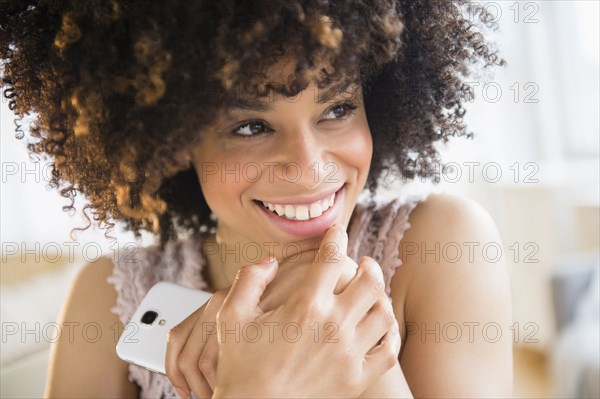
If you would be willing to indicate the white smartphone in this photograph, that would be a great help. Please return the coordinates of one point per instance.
(144, 339)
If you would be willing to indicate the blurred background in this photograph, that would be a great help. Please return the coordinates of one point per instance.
(533, 164)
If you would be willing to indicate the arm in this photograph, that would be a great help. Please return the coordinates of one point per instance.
(432, 296)
(82, 368)
(460, 294)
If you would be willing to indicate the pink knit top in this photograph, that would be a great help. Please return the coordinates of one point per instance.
(376, 228)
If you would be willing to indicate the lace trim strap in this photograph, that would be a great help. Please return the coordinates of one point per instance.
(377, 229)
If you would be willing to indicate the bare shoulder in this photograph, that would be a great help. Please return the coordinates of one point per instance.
(443, 209)
(93, 274)
(447, 229)
(452, 297)
(83, 362)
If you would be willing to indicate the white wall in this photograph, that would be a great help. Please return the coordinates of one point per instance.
(31, 212)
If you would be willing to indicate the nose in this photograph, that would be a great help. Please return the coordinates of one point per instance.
(301, 158)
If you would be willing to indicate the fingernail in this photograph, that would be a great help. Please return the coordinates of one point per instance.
(341, 229)
(268, 259)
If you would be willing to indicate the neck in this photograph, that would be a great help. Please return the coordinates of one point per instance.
(221, 269)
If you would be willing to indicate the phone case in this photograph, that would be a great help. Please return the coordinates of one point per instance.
(166, 304)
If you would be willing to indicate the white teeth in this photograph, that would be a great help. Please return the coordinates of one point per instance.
(315, 210)
(301, 212)
(290, 211)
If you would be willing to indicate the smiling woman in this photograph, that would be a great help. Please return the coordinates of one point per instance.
(241, 131)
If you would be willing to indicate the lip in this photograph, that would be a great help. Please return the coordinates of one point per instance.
(304, 200)
(310, 227)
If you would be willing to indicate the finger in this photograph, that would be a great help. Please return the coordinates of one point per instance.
(363, 291)
(376, 323)
(244, 295)
(384, 356)
(205, 329)
(335, 237)
(300, 249)
(176, 339)
(328, 265)
(208, 361)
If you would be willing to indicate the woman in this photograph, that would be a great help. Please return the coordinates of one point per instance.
(227, 122)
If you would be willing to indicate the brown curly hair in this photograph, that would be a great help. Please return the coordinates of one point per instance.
(121, 86)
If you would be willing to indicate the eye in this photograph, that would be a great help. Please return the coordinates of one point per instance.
(340, 111)
(256, 128)
(250, 129)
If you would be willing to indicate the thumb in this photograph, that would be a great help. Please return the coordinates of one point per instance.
(247, 288)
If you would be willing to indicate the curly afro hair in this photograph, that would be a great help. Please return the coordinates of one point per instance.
(119, 87)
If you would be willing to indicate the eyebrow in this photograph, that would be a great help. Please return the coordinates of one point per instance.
(264, 106)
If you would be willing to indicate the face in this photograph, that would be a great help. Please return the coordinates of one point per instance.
(277, 178)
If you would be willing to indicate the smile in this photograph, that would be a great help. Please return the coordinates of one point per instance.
(301, 212)
(306, 219)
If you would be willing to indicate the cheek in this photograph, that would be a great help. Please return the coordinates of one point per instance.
(220, 181)
(358, 150)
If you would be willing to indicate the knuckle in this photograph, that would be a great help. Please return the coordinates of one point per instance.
(390, 356)
(249, 270)
(390, 359)
(387, 313)
(314, 310)
(169, 371)
(372, 275)
(206, 366)
(388, 319)
(185, 364)
(175, 335)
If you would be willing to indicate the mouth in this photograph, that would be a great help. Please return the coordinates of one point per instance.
(301, 212)
(304, 219)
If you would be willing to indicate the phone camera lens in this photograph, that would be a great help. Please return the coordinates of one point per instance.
(149, 317)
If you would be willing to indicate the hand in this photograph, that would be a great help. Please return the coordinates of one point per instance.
(255, 361)
(293, 269)
(191, 358)
(192, 350)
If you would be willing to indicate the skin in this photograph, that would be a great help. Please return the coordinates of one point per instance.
(467, 291)
(425, 290)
